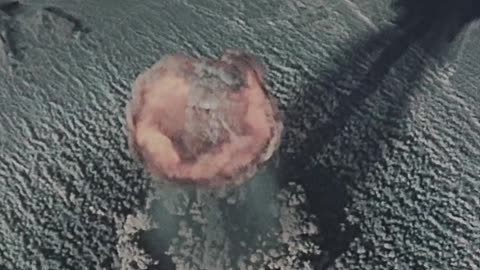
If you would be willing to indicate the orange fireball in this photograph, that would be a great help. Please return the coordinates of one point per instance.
(203, 120)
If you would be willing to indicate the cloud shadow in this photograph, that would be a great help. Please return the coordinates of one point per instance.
(340, 95)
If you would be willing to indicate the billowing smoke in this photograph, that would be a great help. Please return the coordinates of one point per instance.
(203, 120)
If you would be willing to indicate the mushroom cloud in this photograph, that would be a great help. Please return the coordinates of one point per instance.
(204, 121)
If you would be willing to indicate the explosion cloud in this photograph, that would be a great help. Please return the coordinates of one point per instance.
(203, 120)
